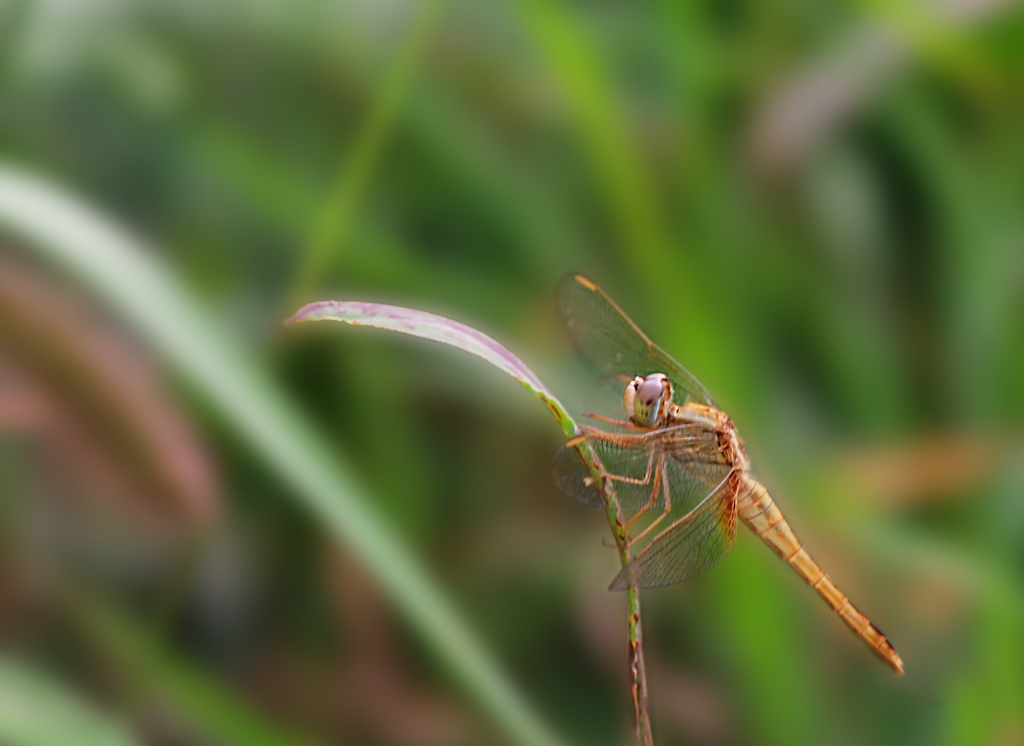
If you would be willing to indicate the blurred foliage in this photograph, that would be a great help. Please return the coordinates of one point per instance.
(816, 207)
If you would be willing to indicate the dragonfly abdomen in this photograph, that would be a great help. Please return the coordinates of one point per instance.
(759, 512)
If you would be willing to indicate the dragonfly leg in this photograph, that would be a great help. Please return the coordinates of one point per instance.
(660, 518)
(620, 423)
(634, 480)
(659, 484)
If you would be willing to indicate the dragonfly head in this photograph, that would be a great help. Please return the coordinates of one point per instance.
(645, 399)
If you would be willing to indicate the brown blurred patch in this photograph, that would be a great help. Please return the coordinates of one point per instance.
(377, 686)
(367, 689)
(96, 407)
(692, 706)
(1010, 731)
(940, 467)
(25, 598)
(937, 607)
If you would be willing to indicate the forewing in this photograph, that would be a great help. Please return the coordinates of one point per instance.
(630, 462)
(573, 477)
(688, 458)
(689, 546)
(614, 344)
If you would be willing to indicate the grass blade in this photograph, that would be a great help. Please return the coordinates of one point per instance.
(122, 270)
(340, 208)
(577, 66)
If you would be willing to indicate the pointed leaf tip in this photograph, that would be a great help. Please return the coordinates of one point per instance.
(438, 329)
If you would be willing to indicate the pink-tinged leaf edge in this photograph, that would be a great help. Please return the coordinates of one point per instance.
(438, 329)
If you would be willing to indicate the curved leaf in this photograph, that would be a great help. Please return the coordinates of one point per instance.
(438, 329)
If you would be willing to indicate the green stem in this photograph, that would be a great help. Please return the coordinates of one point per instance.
(637, 668)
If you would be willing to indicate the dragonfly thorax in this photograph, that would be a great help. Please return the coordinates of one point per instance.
(647, 399)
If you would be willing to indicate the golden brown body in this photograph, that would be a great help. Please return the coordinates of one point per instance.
(761, 515)
(758, 511)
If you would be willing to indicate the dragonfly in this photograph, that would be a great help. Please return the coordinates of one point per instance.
(676, 466)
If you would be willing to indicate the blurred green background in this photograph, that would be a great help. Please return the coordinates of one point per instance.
(816, 207)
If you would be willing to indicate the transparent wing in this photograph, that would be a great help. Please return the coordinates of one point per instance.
(683, 463)
(614, 344)
(689, 546)
(574, 478)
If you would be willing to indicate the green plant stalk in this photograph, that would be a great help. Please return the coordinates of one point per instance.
(121, 269)
(637, 668)
(354, 173)
(577, 67)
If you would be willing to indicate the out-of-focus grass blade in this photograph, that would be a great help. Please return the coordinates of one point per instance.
(438, 329)
(210, 707)
(578, 68)
(336, 218)
(121, 269)
(35, 710)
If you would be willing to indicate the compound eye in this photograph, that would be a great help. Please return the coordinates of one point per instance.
(650, 392)
(647, 400)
